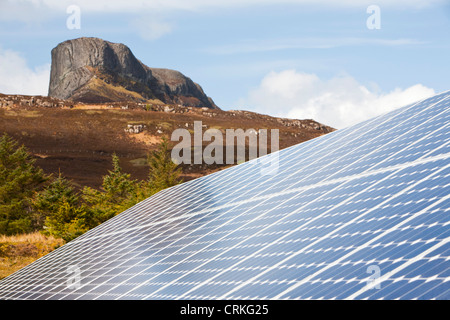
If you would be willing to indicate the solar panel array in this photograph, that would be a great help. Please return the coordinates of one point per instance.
(360, 213)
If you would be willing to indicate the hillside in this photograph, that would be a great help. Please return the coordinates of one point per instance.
(78, 139)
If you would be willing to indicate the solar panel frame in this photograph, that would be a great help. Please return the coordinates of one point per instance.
(374, 194)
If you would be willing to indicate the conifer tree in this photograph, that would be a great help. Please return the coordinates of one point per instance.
(67, 222)
(19, 180)
(164, 173)
(117, 185)
(59, 191)
(115, 195)
(62, 213)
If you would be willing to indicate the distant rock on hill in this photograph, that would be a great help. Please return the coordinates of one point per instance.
(93, 70)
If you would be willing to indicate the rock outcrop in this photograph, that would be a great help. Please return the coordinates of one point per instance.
(92, 70)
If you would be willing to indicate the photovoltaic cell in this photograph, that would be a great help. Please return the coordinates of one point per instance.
(359, 213)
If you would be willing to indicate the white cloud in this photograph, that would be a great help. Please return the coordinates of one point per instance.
(26, 11)
(337, 102)
(262, 45)
(17, 78)
(151, 28)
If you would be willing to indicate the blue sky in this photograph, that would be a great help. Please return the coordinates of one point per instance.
(289, 58)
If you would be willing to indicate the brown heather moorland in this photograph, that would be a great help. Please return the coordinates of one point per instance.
(78, 140)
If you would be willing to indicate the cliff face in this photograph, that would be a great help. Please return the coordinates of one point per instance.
(96, 71)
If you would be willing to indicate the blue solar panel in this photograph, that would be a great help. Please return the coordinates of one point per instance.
(360, 213)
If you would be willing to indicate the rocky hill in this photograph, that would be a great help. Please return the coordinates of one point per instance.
(93, 70)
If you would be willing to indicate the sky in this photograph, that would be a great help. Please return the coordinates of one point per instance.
(337, 62)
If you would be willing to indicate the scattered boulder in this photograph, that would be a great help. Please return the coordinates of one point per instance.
(135, 128)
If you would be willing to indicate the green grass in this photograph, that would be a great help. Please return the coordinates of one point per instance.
(23, 113)
(94, 111)
(165, 125)
(139, 162)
